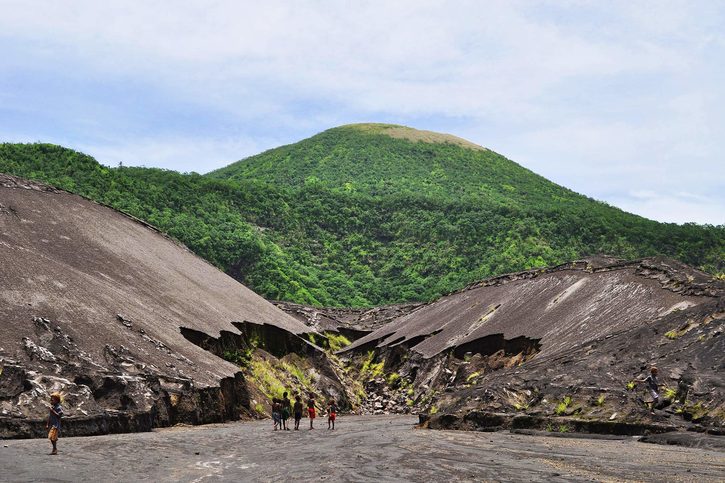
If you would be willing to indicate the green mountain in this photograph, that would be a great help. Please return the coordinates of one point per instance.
(369, 214)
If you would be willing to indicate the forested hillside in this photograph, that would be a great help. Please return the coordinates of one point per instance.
(359, 216)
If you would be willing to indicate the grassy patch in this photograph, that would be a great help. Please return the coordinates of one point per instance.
(433, 410)
(336, 342)
(669, 393)
(563, 406)
(265, 375)
(600, 400)
(631, 385)
(672, 334)
(393, 379)
(240, 357)
(521, 407)
(563, 428)
(299, 373)
(369, 369)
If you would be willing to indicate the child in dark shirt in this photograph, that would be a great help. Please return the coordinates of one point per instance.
(55, 412)
(286, 409)
(276, 413)
(298, 411)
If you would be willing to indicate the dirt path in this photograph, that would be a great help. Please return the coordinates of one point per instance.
(365, 448)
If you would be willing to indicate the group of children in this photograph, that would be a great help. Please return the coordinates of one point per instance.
(283, 408)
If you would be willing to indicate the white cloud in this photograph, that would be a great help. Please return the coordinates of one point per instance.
(601, 97)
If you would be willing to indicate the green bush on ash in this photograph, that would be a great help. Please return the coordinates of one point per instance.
(299, 373)
(672, 334)
(336, 342)
(563, 406)
(669, 393)
(473, 377)
(393, 380)
(266, 376)
(370, 370)
(240, 357)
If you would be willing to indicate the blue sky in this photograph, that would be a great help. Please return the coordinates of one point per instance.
(621, 101)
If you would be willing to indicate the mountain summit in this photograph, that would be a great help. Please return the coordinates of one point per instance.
(390, 159)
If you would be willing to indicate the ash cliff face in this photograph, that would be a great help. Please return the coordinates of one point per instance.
(559, 348)
(92, 304)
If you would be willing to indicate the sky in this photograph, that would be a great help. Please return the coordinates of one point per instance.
(621, 101)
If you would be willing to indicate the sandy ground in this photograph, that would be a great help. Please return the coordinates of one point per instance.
(362, 448)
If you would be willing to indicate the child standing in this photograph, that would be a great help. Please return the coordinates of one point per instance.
(331, 413)
(55, 412)
(653, 386)
(311, 410)
(298, 411)
(276, 416)
(286, 409)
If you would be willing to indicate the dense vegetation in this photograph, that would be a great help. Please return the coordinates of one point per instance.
(354, 217)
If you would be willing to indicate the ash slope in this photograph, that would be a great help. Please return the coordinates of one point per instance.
(560, 348)
(557, 308)
(92, 303)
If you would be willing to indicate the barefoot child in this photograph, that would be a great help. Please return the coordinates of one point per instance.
(311, 409)
(653, 386)
(298, 411)
(331, 413)
(276, 416)
(286, 409)
(55, 412)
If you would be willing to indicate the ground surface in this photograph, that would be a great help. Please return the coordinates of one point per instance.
(365, 448)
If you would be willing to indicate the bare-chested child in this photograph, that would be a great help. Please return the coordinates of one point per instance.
(311, 410)
(331, 414)
(55, 412)
(297, 409)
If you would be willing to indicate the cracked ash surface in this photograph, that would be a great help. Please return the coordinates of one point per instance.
(363, 448)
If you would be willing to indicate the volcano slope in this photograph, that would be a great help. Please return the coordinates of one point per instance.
(557, 349)
(126, 323)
